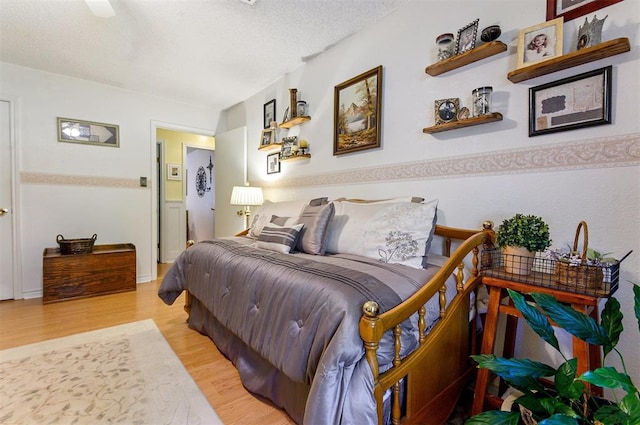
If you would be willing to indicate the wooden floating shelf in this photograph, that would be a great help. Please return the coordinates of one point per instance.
(296, 157)
(483, 119)
(579, 57)
(473, 55)
(271, 147)
(295, 121)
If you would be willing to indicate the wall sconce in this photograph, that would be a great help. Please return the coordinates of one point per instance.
(246, 196)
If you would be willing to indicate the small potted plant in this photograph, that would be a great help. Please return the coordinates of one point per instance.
(520, 237)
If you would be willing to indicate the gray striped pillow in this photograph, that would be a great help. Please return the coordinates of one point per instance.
(279, 238)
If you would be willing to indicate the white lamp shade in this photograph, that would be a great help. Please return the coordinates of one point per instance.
(246, 195)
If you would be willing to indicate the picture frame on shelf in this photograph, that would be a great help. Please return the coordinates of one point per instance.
(580, 101)
(88, 132)
(267, 137)
(285, 118)
(289, 146)
(540, 42)
(273, 163)
(174, 171)
(575, 8)
(357, 113)
(446, 110)
(467, 37)
(268, 113)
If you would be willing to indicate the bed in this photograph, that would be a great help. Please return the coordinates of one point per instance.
(340, 312)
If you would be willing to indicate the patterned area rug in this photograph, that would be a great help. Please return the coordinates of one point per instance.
(126, 374)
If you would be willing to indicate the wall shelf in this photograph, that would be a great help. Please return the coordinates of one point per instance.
(296, 157)
(483, 119)
(271, 147)
(579, 57)
(483, 51)
(295, 121)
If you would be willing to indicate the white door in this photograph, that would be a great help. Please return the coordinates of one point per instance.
(230, 170)
(6, 227)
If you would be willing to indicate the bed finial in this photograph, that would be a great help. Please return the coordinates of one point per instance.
(487, 225)
(370, 308)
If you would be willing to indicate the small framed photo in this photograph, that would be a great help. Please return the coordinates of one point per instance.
(446, 110)
(269, 113)
(289, 146)
(285, 117)
(580, 101)
(88, 132)
(467, 37)
(273, 163)
(571, 9)
(174, 171)
(540, 42)
(267, 137)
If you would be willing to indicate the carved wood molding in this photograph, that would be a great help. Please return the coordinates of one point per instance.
(605, 152)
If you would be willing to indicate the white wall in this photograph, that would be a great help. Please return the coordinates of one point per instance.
(484, 172)
(79, 190)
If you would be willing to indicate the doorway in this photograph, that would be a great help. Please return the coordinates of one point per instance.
(200, 193)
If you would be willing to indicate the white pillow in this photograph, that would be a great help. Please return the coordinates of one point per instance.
(262, 216)
(390, 232)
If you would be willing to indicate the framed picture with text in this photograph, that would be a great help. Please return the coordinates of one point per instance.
(269, 113)
(273, 163)
(580, 101)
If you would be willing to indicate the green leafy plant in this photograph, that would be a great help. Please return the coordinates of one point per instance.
(564, 401)
(528, 231)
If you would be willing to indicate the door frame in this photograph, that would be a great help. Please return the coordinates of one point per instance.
(16, 259)
(159, 186)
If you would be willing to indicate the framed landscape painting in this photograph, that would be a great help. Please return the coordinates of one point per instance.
(357, 113)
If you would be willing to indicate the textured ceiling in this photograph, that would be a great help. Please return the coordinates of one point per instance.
(208, 52)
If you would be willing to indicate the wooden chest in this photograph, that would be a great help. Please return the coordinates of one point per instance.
(107, 270)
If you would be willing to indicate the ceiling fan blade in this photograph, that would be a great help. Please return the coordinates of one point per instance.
(101, 8)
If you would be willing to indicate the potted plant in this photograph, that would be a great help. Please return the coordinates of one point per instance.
(564, 400)
(520, 237)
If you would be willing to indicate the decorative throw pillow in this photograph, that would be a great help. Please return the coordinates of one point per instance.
(262, 216)
(279, 238)
(316, 222)
(280, 221)
(391, 232)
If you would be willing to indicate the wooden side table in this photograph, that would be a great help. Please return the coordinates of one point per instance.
(588, 356)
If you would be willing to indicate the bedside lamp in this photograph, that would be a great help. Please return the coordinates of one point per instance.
(246, 196)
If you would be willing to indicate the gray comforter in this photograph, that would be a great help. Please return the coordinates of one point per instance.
(300, 314)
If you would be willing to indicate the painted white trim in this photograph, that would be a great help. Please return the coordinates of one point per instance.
(14, 137)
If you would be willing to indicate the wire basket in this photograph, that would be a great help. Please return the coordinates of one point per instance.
(543, 272)
(76, 246)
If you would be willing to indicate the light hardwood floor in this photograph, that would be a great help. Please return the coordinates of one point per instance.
(28, 321)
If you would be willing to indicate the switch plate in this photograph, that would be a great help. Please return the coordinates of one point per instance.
(143, 182)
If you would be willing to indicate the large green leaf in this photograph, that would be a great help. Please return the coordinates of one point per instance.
(612, 323)
(636, 297)
(558, 420)
(507, 368)
(494, 417)
(612, 415)
(566, 385)
(630, 404)
(609, 377)
(538, 321)
(574, 322)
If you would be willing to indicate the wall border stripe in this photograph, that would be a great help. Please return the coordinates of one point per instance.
(69, 180)
(605, 152)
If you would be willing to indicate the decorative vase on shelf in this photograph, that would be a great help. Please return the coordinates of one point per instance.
(444, 42)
